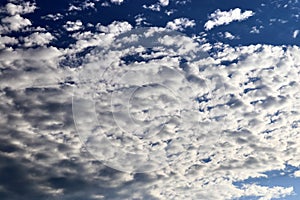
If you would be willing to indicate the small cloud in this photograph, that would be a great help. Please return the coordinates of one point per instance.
(228, 35)
(38, 39)
(73, 26)
(24, 8)
(157, 6)
(164, 2)
(139, 19)
(180, 24)
(73, 7)
(14, 23)
(219, 17)
(115, 27)
(295, 34)
(6, 40)
(53, 17)
(117, 1)
(254, 30)
(153, 7)
(297, 174)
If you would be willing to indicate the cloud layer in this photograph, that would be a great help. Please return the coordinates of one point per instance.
(243, 114)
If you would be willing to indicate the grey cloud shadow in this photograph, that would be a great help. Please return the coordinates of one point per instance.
(34, 157)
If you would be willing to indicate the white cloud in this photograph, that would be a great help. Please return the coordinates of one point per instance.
(153, 7)
(38, 39)
(164, 2)
(24, 8)
(115, 27)
(14, 23)
(255, 30)
(84, 5)
(266, 193)
(180, 24)
(139, 19)
(117, 1)
(295, 33)
(87, 5)
(157, 6)
(297, 174)
(219, 17)
(41, 53)
(170, 12)
(53, 17)
(228, 35)
(6, 40)
(73, 7)
(73, 26)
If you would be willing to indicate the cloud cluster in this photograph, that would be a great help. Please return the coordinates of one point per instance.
(116, 1)
(180, 24)
(38, 39)
(73, 26)
(242, 106)
(157, 6)
(23, 8)
(14, 21)
(219, 17)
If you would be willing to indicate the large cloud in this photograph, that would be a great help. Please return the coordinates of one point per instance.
(251, 115)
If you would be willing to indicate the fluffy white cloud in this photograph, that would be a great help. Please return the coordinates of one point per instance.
(116, 1)
(180, 24)
(229, 35)
(255, 30)
(73, 26)
(266, 193)
(24, 8)
(297, 173)
(14, 23)
(157, 6)
(115, 27)
(219, 17)
(164, 2)
(38, 39)
(5, 40)
(153, 7)
(84, 5)
(54, 17)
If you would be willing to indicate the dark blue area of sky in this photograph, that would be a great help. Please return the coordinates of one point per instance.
(275, 178)
(277, 34)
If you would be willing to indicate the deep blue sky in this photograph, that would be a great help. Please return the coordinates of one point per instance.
(277, 33)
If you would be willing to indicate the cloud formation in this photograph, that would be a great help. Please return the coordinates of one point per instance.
(219, 17)
(73, 26)
(180, 24)
(248, 112)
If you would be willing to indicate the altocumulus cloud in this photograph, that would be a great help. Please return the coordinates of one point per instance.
(255, 99)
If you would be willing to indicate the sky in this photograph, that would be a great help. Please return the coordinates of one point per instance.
(160, 99)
